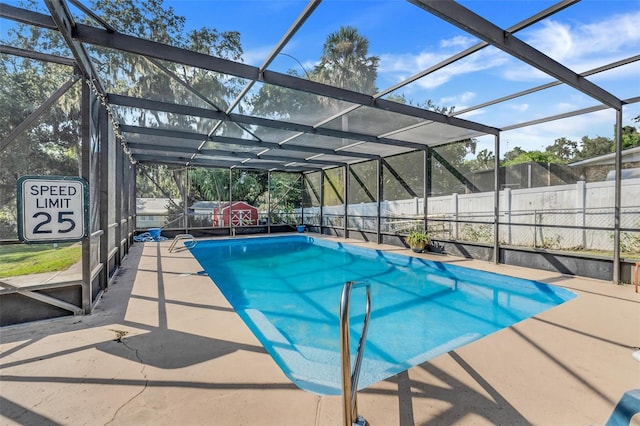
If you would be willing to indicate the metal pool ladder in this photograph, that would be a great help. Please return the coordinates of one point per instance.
(190, 243)
(349, 378)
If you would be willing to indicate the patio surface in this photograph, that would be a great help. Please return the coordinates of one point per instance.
(164, 347)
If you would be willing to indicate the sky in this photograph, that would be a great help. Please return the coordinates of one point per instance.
(408, 40)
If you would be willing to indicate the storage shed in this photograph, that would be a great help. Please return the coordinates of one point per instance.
(237, 213)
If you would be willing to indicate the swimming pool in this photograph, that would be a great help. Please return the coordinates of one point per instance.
(287, 289)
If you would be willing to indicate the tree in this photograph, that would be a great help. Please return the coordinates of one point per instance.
(138, 76)
(593, 147)
(514, 153)
(485, 160)
(563, 149)
(157, 181)
(285, 193)
(448, 167)
(535, 157)
(284, 103)
(344, 62)
(630, 137)
(52, 145)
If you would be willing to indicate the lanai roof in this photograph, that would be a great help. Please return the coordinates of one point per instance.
(357, 127)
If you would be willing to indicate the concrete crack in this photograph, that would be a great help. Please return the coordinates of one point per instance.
(146, 382)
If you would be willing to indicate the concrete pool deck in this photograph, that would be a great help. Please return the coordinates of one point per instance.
(164, 347)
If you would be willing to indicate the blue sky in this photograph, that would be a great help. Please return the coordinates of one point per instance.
(407, 40)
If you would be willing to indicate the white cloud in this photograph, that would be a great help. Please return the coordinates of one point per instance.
(519, 107)
(554, 39)
(542, 135)
(460, 100)
(407, 63)
(580, 46)
(403, 66)
(256, 55)
(491, 73)
(459, 42)
(474, 113)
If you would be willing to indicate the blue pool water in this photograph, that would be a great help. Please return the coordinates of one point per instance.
(287, 290)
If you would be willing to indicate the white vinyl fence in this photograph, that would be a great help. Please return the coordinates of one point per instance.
(549, 217)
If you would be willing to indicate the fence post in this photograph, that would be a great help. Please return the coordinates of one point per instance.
(581, 201)
(507, 209)
(454, 201)
(535, 228)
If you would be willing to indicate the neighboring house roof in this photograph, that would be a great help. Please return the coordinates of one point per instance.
(151, 206)
(203, 205)
(628, 156)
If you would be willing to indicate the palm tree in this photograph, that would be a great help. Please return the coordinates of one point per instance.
(344, 62)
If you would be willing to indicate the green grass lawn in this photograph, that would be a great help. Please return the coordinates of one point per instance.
(23, 259)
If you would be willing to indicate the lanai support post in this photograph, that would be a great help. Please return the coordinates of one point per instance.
(347, 170)
(425, 170)
(617, 199)
(119, 172)
(133, 202)
(496, 202)
(85, 134)
(269, 202)
(302, 191)
(321, 200)
(185, 201)
(104, 188)
(232, 232)
(379, 203)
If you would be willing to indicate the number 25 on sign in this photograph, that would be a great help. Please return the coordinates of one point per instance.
(52, 209)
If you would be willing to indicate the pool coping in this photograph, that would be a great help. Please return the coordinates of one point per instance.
(163, 346)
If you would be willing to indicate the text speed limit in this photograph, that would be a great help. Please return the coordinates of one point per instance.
(52, 208)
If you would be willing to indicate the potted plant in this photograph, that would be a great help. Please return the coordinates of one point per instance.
(417, 240)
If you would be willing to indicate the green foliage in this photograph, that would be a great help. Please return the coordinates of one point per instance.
(280, 102)
(630, 137)
(417, 238)
(333, 187)
(20, 259)
(593, 147)
(403, 176)
(156, 181)
(286, 191)
(209, 184)
(550, 242)
(630, 244)
(477, 233)
(534, 156)
(485, 160)
(345, 62)
(513, 154)
(447, 166)
(51, 146)
(248, 186)
(563, 149)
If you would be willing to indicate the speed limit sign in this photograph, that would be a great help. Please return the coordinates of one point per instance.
(52, 209)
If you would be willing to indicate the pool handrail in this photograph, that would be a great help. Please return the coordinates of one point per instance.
(190, 243)
(349, 378)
